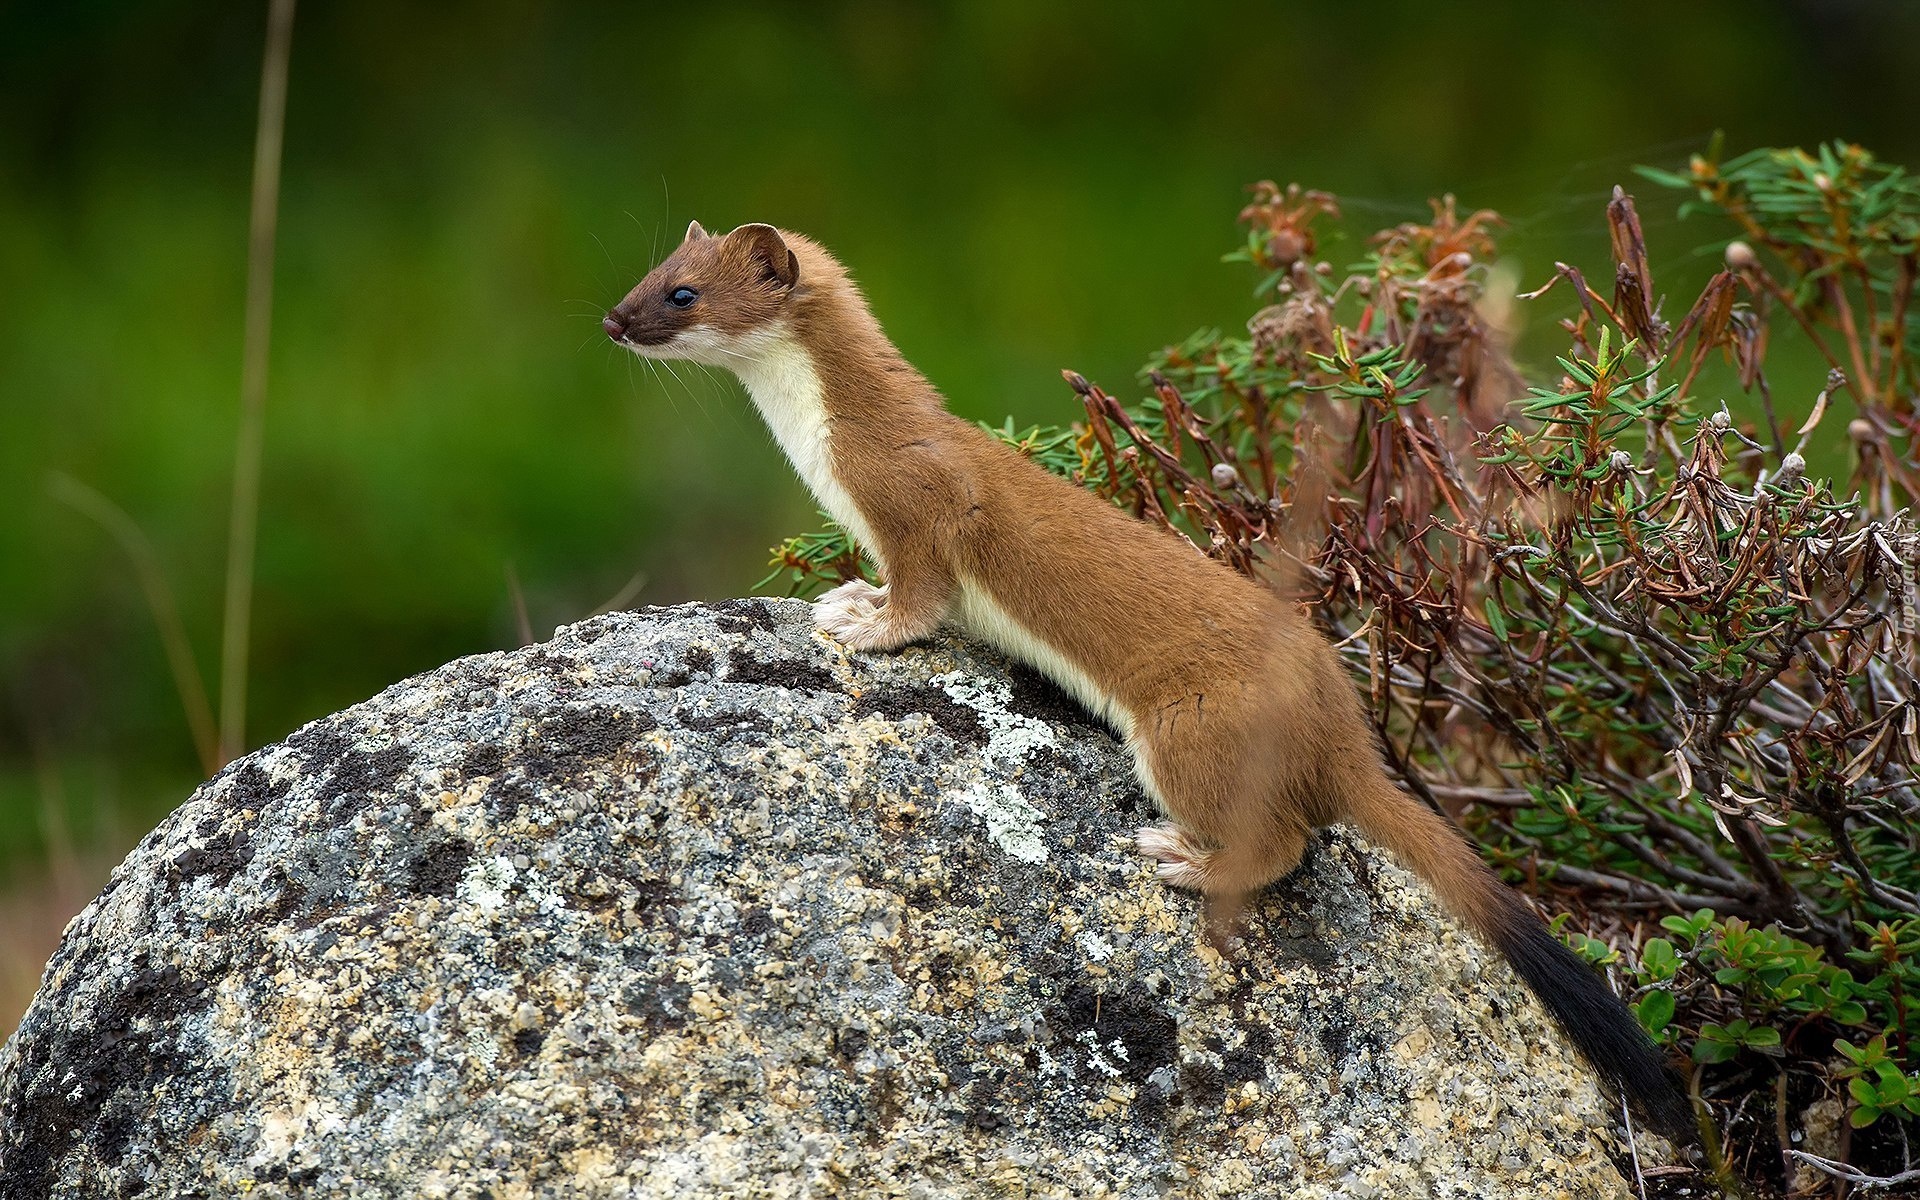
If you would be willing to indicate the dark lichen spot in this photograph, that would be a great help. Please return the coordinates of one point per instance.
(545, 660)
(1134, 1018)
(321, 744)
(1308, 949)
(957, 721)
(651, 899)
(527, 1042)
(1034, 695)
(740, 615)
(219, 855)
(849, 1042)
(942, 969)
(595, 733)
(984, 1104)
(1044, 761)
(1248, 1061)
(437, 869)
(354, 776)
(652, 893)
(884, 1104)
(247, 787)
(1150, 1107)
(788, 673)
(289, 899)
(115, 1129)
(755, 922)
(1202, 1085)
(91, 1083)
(1131, 800)
(504, 797)
(482, 759)
(1335, 1037)
(697, 663)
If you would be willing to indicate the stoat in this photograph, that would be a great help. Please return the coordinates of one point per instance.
(1243, 725)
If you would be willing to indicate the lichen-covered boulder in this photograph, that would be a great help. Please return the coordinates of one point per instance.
(689, 902)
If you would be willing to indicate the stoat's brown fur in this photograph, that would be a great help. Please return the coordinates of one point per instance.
(1243, 725)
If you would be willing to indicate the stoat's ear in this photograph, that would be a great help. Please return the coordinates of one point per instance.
(694, 232)
(766, 249)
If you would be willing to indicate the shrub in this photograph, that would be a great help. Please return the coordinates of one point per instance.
(1617, 629)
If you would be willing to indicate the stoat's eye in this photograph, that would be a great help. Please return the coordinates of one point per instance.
(682, 297)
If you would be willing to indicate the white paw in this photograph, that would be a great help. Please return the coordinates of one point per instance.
(853, 589)
(1180, 864)
(855, 614)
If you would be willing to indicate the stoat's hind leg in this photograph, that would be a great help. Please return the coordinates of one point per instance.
(1182, 864)
(1232, 831)
(1225, 876)
(1246, 866)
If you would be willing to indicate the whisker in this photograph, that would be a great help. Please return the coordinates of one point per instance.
(712, 381)
(617, 270)
(653, 236)
(653, 365)
(733, 353)
(698, 399)
(668, 364)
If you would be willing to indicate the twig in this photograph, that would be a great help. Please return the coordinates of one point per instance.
(1852, 1174)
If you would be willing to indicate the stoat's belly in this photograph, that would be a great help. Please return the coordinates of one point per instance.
(976, 611)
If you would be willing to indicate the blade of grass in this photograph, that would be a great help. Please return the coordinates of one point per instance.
(521, 624)
(160, 603)
(245, 518)
(619, 600)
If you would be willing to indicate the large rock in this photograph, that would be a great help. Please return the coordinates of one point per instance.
(689, 902)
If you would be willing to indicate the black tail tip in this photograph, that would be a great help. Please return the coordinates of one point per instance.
(1601, 1027)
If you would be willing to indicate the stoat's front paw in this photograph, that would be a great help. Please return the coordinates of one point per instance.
(855, 613)
(853, 590)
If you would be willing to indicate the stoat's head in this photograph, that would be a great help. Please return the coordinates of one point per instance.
(712, 300)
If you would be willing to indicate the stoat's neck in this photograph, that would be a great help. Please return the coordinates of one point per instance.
(784, 381)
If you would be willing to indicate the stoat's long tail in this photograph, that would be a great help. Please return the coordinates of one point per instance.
(1596, 1020)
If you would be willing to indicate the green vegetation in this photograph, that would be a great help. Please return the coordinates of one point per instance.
(1632, 640)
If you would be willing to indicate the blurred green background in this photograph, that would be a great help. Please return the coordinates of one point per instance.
(1020, 186)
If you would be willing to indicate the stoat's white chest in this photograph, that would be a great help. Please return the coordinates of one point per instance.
(780, 376)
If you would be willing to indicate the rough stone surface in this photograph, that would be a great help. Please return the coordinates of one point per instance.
(689, 902)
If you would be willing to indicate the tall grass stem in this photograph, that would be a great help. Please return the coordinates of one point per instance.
(160, 602)
(237, 617)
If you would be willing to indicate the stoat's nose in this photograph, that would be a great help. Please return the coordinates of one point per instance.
(615, 325)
